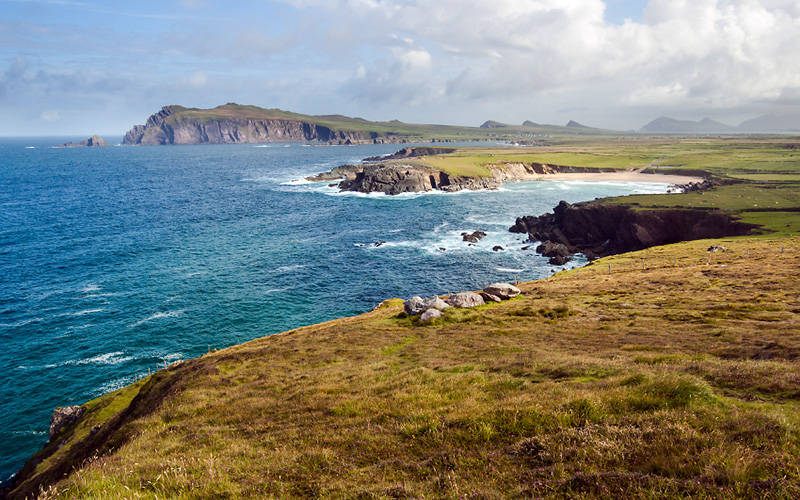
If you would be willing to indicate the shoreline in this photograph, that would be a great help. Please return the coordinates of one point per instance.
(629, 176)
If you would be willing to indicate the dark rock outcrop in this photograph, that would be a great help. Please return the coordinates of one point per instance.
(411, 153)
(473, 237)
(92, 142)
(598, 230)
(396, 178)
(63, 417)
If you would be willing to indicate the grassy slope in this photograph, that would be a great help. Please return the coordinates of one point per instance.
(677, 380)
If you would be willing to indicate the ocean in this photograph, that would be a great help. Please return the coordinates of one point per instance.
(115, 261)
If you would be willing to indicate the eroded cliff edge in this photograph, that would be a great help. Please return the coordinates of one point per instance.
(597, 229)
(235, 124)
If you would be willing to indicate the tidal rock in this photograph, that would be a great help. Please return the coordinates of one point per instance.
(465, 300)
(64, 416)
(559, 260)
(488, 297)
(93, 141)
(430, 315)
(550, 249)
(502, 290)
(497, 248)
(472, 237)
(414, 306)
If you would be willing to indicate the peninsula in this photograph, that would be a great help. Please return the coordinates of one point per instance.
(235, 124)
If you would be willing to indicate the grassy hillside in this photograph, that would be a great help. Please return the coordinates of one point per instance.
(666, 373)
(408, 131)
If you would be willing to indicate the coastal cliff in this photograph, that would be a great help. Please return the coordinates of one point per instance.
(597, 229)
(178, 125)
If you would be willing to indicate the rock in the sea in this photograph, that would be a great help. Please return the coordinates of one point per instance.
(497, 248)
(559, 260)
(472, 237)
(504, 291)
(64, 416)
(488, 297)
(465, 300)
(93, 141)
(430, 315)
(550, 249)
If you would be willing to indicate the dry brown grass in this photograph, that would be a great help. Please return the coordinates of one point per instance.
(677, 380)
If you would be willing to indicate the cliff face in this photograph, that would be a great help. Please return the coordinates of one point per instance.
(168, 126)
(597, 230)
(397, 178)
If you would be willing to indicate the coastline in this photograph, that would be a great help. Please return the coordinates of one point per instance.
(622, 176)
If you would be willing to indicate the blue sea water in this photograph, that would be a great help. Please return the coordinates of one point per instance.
(116, 260)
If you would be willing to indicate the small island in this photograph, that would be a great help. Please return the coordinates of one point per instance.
(92, 142)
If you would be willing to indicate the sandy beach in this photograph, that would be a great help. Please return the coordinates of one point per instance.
(630, 176)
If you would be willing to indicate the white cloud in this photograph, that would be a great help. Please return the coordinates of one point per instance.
(50, 116)
(687, 54)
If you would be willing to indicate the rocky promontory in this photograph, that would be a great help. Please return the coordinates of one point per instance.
(597, 229)
(401, 177)
(234, 124)
(93, 141)
(400, 173)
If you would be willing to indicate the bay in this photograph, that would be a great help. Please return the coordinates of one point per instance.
(118, 260)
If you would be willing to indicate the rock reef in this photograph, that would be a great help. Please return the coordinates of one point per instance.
(598, 229)
(93, 141)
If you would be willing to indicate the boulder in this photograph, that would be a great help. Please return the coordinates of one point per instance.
(430, 315)
(414, 306)
(717, 248)
(417, 305)
(559, 260)
(63, 417)
(435, 303)
(465, 300)
(497, 248)
(472, 237)
(502, 290)
(488, 297)
(550, 249)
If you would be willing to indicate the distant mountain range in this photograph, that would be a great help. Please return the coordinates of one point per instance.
(762, 124)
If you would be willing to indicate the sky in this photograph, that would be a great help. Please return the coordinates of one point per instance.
(80, 67)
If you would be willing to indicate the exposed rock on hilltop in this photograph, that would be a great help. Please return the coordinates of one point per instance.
(597, 229)
(93, 141)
